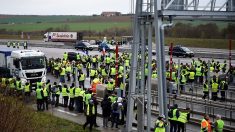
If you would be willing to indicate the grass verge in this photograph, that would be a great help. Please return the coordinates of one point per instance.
(15, 116)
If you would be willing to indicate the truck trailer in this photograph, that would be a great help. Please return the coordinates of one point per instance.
(28, 65)
(60, 37)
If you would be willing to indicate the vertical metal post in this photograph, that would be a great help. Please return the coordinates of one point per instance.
(76, 75)
(149, 85)
(230, 53)
(140, 105)
(132, 83)
(171, 62)
(178, 77)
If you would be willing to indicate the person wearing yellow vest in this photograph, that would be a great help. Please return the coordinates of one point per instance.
(77, 91)
(19, 87)
(80, 101)
(65, 95)
(94, 61)
(206, 124)
(107, 61)
(68, 70)
(104, 72)
(183, 81)
(72, 96)
(198, 74)
(65, 56)
(45, 97)
(223, 88)
(81, 79)
(39, 96)
(154, 73)
(27, 92)
(87, 97)
(191, 78)
(214, 90)
(219, 124)
(112, 72)
(160, 124)
(205, 89)
(183, 119)
(173, 114)
(110, 86)
(93, 74)
(62, 74)
(88, 68)
(58, 92)
(90, 115)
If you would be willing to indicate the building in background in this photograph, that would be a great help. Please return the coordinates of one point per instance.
(110, 13)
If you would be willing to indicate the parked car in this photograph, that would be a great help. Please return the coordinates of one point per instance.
(73, 55)
(106, 46)
(83, 46)
(181, 51)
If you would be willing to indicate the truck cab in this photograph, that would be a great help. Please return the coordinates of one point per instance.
(28, 65)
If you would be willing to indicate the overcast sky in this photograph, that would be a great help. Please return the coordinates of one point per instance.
(67, 7)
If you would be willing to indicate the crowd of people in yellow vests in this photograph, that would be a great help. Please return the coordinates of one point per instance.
(105, 69)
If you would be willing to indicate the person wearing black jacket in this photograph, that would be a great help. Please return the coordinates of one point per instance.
(95, 104)
(106, 110)
(90, 115)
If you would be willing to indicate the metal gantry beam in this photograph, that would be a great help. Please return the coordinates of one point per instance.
(149, 14)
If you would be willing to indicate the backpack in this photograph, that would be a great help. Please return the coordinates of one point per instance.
(115, 106)
(170, 113)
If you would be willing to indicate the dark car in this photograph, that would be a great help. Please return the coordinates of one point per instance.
(83, 46)
(181, 51)
(106, 46)
(73, 55)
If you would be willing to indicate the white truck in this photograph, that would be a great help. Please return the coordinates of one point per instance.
(28, 65)
(60, 36)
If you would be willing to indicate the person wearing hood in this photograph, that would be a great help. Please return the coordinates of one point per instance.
(116, 110)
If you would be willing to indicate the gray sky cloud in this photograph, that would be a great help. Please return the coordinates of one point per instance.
(67, 7)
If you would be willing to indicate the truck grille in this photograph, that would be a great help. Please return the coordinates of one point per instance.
(36, 74)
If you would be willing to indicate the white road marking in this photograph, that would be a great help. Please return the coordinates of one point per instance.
(69, 113)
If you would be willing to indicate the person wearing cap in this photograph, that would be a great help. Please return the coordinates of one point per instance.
(90, 115)
(219, 124)
(160, 124)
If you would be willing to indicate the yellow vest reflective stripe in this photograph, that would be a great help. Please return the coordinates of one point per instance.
(183, 117)
(64, 92)
(71, 94)
(82, 77)
(27, 88)
(88, 110)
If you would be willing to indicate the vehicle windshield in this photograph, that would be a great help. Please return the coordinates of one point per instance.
(33, 63)
(87, 44)
(185, 49)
